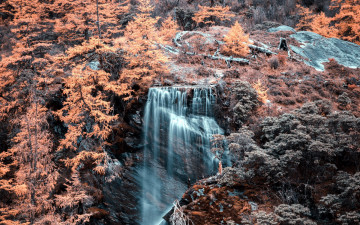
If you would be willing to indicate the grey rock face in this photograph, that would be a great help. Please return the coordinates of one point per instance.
(317, 49)
(94, 65)
(281, 28)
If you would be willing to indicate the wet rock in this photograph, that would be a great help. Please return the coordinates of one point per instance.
(137, 118)
(94, 65)
(317, 49)
(254, 206)
(307, 146)
(157, 83)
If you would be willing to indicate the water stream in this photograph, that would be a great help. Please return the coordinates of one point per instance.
(178, 125)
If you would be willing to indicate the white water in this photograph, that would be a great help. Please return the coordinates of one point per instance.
(178, 125)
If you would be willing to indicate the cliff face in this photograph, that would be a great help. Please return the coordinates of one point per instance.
(294, 155)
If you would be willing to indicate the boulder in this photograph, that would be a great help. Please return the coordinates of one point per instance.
(316, 50)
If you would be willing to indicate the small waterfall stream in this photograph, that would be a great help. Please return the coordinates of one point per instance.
(178, 125)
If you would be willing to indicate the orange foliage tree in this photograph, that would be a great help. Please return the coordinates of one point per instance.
(320, 24)
(30, 20)
(29, 59)
(208, 15)
(88, 115)
(87, 112)
(80, 19)
(168, 29)
(236, 41)
(345, 24)
(347, 21)
(145, 60)
(36, 176)
(73, 201)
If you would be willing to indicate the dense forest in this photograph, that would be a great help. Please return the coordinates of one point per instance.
(180, 112)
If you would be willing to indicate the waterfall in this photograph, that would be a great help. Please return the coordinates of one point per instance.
(178, 125)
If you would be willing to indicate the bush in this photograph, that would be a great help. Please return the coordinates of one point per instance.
(244, 101)
(293, 214)
(274, 62)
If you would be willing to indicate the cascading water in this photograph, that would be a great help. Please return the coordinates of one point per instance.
(178, 125)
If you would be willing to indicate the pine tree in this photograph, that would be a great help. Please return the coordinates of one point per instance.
(236, 41)
(82, 19)
(140, 43)
(74, 202)
(208, 15)
(169, 28)
(345, 24)
(27, 61)
(36, 176)
(306, 17)
(347, 21)
(320, 24)
(87, 114)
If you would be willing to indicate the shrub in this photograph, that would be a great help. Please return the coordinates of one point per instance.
(274, 62)
(293, 214)
(244, 101)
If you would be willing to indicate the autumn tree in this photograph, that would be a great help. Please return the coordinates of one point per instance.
(345, 24)
(236, 41)
(347, 21)
(36, 176)
(84, 19)
(168, 29)
(7, 188)
(28, 59)
(88, 116)
(74, 202)
(209, 14)
(87, 112)
(142, 53)
(30, 20)
(318, 23)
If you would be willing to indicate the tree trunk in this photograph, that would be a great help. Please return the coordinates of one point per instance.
(98, 20)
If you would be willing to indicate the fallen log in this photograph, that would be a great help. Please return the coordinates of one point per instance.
(227, 59)
(261, 49)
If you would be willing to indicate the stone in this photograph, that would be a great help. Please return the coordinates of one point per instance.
(94, 65)
(254, 206)
(317, 49)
